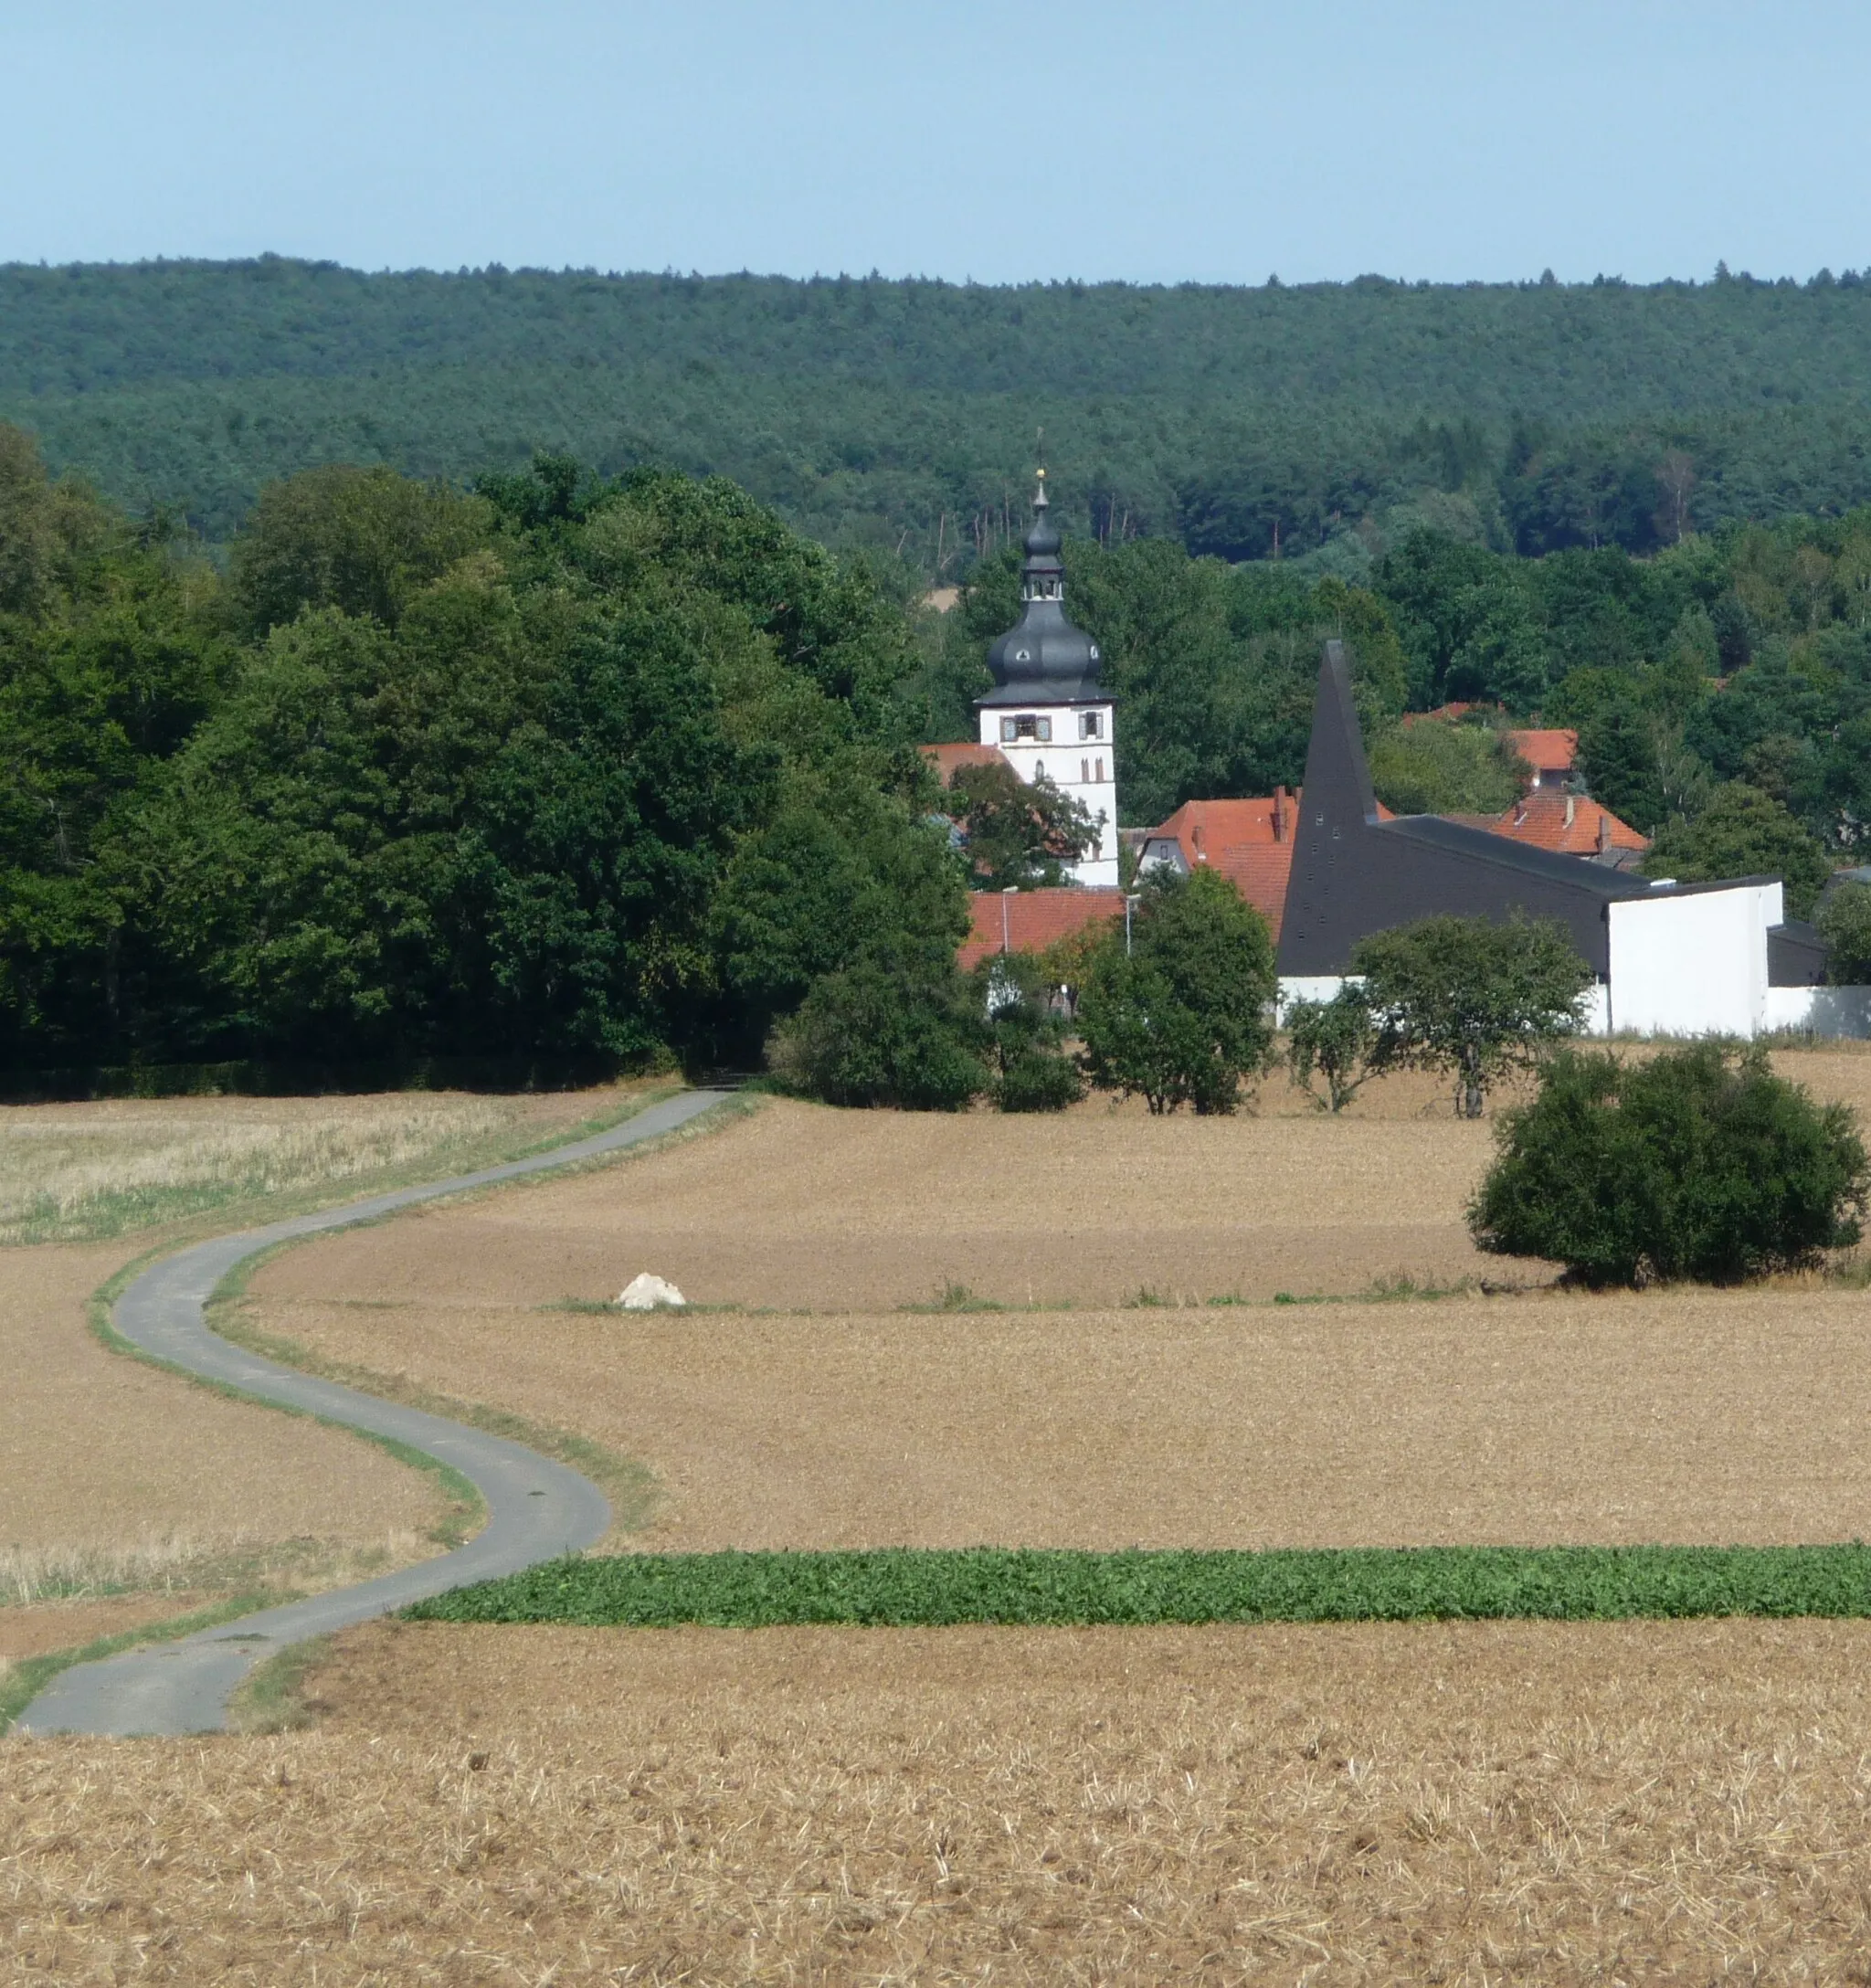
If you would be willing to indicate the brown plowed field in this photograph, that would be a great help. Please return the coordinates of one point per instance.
(1468, 1802)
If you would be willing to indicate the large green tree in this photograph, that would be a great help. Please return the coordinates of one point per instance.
(1470, 997)
(1742, 832)
(1178, 1008)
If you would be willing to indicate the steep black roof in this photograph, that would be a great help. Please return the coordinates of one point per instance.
(1354, 874)
(1043, 659)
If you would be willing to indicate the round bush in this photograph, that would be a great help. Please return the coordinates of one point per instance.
(1037, 1080)
(1699, 1163)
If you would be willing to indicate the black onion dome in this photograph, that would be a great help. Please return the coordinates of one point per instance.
(1043, 659)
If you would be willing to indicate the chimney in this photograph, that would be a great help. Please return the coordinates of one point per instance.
(1571, 810)
(1604, 832)
(1279, 814)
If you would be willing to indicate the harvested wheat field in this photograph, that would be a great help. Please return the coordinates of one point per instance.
(798, 1205)
(1464, 1803)
(801, 1206)
(113, 1474)
(1714, 1418)
(75, 1172)
(1545, 1418)
(115, 1477)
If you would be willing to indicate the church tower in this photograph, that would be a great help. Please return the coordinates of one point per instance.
(1047, 712)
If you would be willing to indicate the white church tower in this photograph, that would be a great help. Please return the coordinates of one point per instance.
(1047, 712)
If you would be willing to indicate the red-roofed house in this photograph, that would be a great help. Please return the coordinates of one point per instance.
(1569, 825)
(1249, 842)
(948, 760)
(1551, 755)
(1031, 921)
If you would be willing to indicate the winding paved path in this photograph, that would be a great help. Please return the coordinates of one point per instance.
(537, 1508)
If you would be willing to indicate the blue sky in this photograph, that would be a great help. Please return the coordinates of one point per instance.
(1167, 140)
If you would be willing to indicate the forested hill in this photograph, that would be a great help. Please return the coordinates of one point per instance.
(1323, 419)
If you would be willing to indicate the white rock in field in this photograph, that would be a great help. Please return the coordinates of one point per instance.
(645, 1294)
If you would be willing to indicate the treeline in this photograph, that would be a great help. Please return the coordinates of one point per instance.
(566, 766)
(1737, 660)
(555, 768)
(1322, 421)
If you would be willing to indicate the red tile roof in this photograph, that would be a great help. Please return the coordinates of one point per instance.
(1567, 824)
(1545, 752)
(1212, 825)
(1031, 921)
(948, 760)
(1259, 871)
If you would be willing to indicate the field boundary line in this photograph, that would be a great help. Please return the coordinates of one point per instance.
(537, 1508)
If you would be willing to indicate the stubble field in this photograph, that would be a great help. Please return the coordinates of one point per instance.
(1462, 1803)
(831, 1419)
(1472, 1802)
(127, 1494)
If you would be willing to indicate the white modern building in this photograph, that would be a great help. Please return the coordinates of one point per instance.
(1048, 713)
(1667, 958)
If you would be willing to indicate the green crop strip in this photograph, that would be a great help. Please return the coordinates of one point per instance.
(904, 1588)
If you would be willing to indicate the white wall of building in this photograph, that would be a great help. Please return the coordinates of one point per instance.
(1083, 767)
(1301, 986)
(1692, 962)
(1323, 987)
(1824, 1010)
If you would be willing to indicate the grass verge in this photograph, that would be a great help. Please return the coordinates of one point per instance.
(630, 1486)
(272, 1699)
(22, 1680)
(901, 1587)
(461, 1512)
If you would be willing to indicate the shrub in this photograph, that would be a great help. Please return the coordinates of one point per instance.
(1336, 1038)
(1437, 767)
(1698, 1164)
(1185, 1014)
(885, 1030)
(1031, 1071)
(1470, 997)
(1844, 924)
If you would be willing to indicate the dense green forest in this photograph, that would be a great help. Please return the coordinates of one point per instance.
(1323, 422)
(553, 769)
(571, 766)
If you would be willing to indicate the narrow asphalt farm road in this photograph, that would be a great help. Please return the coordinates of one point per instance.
(537, 1508)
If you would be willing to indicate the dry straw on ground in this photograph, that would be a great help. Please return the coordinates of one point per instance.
(1473, 1804)
(73, 1172)
(801, 1206)
(114, 1475)
(1711, 1417)
(106, 1460)
(1683, 1416)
